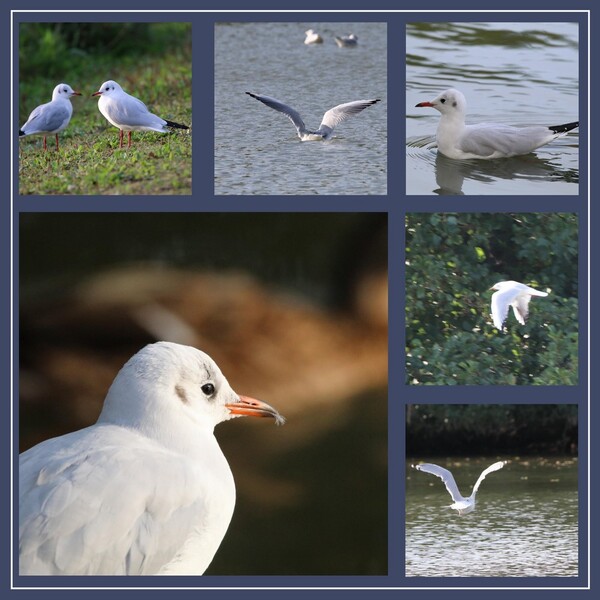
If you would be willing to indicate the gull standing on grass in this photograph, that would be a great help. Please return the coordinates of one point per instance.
(463, 505)
(53, 116)
(147, 489)
(127, 113)
(333, 117)
(515, 294)
(485, 140)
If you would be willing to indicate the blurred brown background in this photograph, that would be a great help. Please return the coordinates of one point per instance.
(293, 308)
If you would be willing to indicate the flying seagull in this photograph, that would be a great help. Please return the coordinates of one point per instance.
(515, 294)
(334, 116)
(485, 140)
(463, 505)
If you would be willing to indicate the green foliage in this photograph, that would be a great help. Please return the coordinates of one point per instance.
(451, 262)
(151, 61)
(477, 428)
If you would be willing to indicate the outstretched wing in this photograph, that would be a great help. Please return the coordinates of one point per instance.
(495, 467)
(445, 476)
(334, 116)
(521, 307)
(501, 300)
(279, 106)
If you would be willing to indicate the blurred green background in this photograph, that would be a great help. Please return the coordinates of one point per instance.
(151, 61)
(451, 262)
(293, 308)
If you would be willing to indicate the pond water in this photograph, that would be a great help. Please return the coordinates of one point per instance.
(525, 523)
(512, 73)
(257, 150)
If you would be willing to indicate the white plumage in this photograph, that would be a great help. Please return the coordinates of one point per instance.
(515, 294)
(146, 490)
(463, 505)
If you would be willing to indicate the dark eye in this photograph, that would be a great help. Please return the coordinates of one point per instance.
(443, 100)
(106, 88)
(208, 389)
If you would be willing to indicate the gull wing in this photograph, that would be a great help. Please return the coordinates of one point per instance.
(279, 106)
(46, 117)
(520, 307)
(501, 300)
(334, 116)
(445, 476)
(495, 467)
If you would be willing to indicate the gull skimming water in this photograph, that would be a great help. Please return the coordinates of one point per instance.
(147, 489)
(127, 113)
(333, 117)
(485, 140)
(463, 505)
(53, 116)
(515, 294)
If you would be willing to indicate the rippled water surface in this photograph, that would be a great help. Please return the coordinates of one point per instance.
(257, 150)
(525, 523)
(512, 73)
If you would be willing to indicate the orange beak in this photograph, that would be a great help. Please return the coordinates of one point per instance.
(97, 94)
(76, 93)
(250, 407)
(422, 104)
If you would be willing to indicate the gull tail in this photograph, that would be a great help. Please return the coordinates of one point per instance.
(176, 125)
(564, 128)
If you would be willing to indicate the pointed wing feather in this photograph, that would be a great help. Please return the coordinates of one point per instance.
(495, 467)
(334, 116)
(501, 300)
(279, 106)
(445, 476)
(520, 307)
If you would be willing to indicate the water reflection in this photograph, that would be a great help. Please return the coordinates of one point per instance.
(525, 523)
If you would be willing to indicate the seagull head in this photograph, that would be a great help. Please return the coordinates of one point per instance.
(62, 90)
(107, 88)
(168, 390)
(450, 102)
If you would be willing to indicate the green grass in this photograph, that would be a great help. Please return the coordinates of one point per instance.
(89, 160)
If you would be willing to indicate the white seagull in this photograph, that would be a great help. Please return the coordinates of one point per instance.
(312, 37)
(333, 117)
(127, 113)
(53, 116)
(463, 505)
(515, 294)
(144, 491)
(346, 41)
(485, 140)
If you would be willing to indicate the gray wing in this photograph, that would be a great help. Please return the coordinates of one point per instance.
(279, 106)
(133, 112)
(84, 511)
(445, 476)
(46, 118)
(486, 138)
(334, 116)
(495, 467)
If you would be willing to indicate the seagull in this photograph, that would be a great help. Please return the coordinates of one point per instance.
(346, 41)
(515, 294)
(146, 490)
(312, 37)
(334, 116)
(485, 140)
(53, 116)
(463, 505)
(127, 113)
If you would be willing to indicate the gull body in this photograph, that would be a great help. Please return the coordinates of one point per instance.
(52, 117)
(461, 504)
(128, 113)
(346, 41)
(515, 294)
(457, 140)
(144, 491)
(333, 117)
(312, 37)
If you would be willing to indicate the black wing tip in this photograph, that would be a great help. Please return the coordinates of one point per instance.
(21, 132)
(564, 128)
(176, 125)
(253, 95)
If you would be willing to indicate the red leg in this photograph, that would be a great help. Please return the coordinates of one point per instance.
(129, 140)
(120, 138)
(45, 143)
(56, 142)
